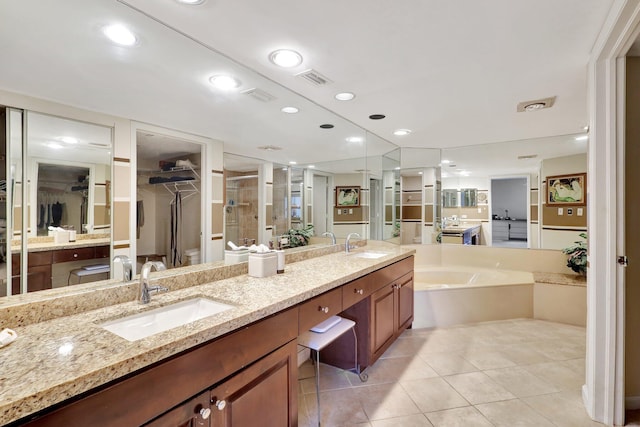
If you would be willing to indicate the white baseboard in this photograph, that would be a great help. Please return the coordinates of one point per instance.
(632, 402)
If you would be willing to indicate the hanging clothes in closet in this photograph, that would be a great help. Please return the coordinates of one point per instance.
(176, 230)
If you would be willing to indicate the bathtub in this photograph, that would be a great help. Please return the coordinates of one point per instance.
(450, 295)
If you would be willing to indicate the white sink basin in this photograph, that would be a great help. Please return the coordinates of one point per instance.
(138, 326)
(370, 255)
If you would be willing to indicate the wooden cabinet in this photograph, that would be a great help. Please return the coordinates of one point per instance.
(171, 388)
(319, 309)
(265, 394)
(195, 412)
(380, 317)
(39, 268)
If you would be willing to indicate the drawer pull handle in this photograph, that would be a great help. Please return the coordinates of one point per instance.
(205, 412)
(358, 291)
(323, 309)
(220, 404)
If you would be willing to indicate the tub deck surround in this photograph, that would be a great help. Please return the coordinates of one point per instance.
(57, 359)
(560, 279)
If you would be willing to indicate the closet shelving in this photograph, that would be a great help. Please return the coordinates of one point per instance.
(173, 183)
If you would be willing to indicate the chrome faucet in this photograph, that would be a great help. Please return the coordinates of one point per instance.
(145, 289)
(347, 245)
(127, 268)
(330, 234)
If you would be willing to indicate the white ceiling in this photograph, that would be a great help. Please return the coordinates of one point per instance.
(453, 72)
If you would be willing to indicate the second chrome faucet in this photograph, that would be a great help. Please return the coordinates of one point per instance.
(145, 290)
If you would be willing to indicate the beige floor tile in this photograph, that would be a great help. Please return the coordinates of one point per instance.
(331, 378)
(477, 387)
(339, 408)
(512, 413)
(523, 354)
(559, 374)
(433, 394)
(488, 359)
(563, 409)
(560, 349)
(406, 347)
(448, 363)
(521, 382)
(418, 420)
(458, 417)
(386, 401)
(395, 369)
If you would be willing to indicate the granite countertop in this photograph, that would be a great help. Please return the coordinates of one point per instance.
(560, 279)
(54, 360)
(47, 244)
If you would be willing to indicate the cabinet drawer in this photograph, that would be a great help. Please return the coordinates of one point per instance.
(39, 258)
(391, 272)
(319, 309)
(357, 290)
(103, 251)
(78, 254)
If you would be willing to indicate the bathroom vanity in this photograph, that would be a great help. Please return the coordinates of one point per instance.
(462, 234)
(238, 367)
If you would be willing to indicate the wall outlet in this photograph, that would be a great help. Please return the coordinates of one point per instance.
(569, 211)
(560, 211)
(579, 211)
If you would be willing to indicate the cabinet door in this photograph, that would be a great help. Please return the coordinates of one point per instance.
(264, 394)
(404, 291)
(383, 317)
(193, 413)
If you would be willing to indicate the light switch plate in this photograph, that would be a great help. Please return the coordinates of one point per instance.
(560, 211)
(579, 212)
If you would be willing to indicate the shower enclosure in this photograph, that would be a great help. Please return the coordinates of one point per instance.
(241, 208)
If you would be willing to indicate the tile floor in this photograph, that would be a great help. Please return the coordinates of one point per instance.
(520, 372)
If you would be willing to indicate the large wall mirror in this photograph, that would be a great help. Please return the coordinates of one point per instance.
(502, 192)
(57, 202)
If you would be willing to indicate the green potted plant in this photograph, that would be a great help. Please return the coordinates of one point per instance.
(577, 255)
(300, 237)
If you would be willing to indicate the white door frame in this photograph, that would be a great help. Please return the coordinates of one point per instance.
(604, 393)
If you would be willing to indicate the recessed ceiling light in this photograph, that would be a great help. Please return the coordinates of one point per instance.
(289, 110)
(54, 145)
(120, 34)
(327, 126)
(191, 2)
(582, 138)
(535, 105)
(397, 168)
(419, 173)
(345, 96)
(224, 82)
(355, 139)
(446, 162)
(311, 166)
(293, 163)
(285, 58)
(401, 132)
(377, 116)
(68, 139)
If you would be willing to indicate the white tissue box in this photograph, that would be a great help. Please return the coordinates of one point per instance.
(61, 237)
(263, 265)
(234, 257)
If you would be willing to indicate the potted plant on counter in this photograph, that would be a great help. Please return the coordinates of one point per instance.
(577, 255)
(300, 237)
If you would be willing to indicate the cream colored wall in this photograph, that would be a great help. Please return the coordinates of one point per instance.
(632, 243)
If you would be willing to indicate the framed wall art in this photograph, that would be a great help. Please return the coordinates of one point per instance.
(347, 196)
(567, 190)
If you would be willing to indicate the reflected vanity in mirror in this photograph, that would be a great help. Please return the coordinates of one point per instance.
(61, 235)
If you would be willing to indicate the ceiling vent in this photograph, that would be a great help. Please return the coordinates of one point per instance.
(538, 104)
(259, 94)
(314, 77)
(270, 148)
(527, 156)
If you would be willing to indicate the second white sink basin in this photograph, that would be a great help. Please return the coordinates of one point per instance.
(370, 255)
(138, 326)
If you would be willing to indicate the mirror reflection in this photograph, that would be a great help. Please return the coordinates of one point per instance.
(67, 215)
(508, 183)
